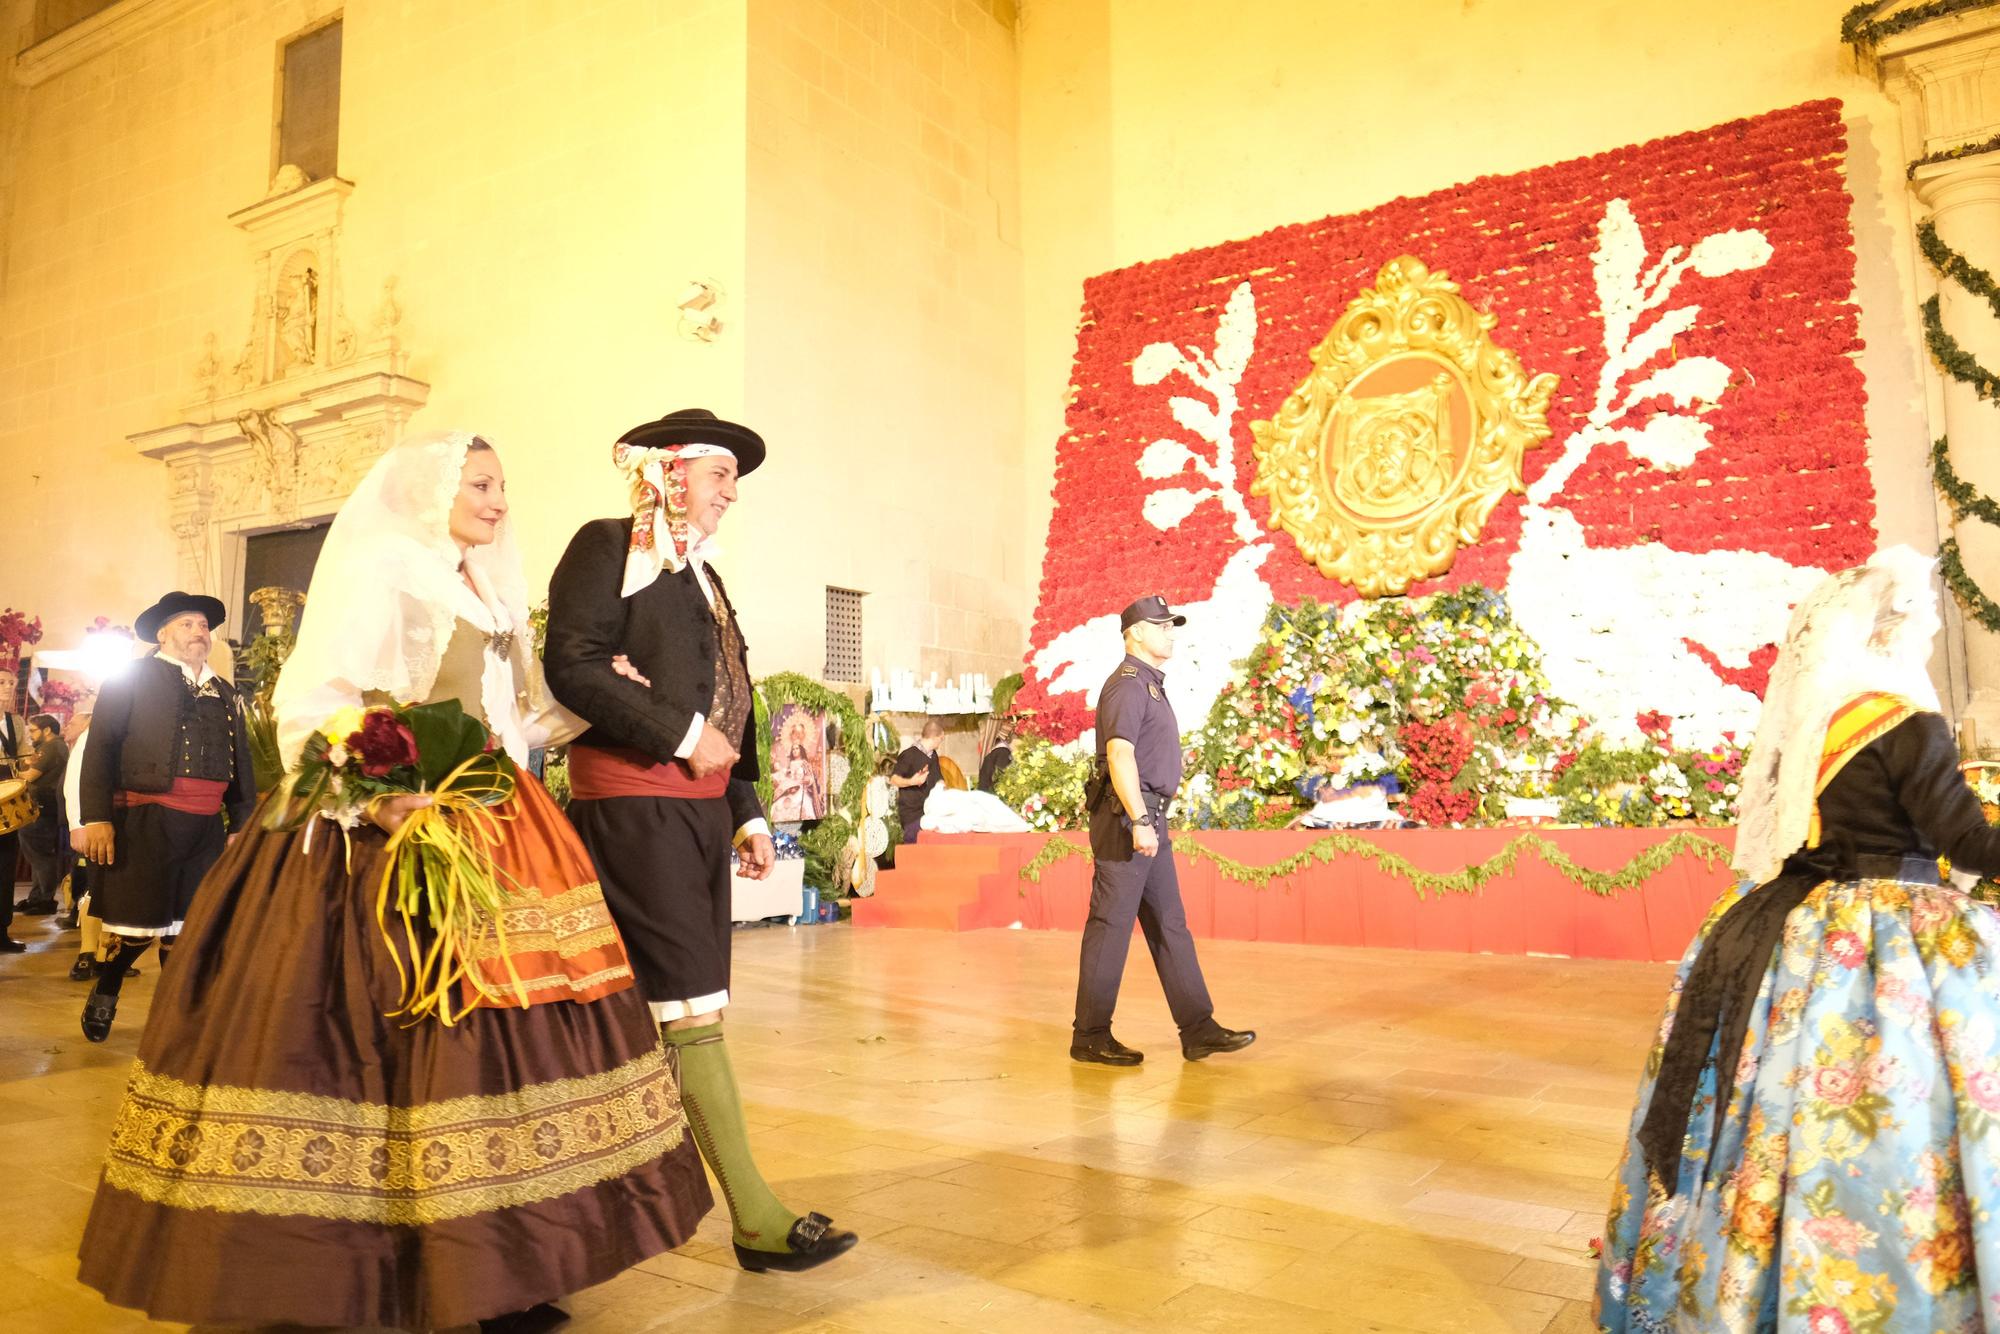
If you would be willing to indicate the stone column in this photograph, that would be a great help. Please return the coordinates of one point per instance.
(1964, 197)
(1946, 73)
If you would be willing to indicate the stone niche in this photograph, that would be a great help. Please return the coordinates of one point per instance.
(283, 426)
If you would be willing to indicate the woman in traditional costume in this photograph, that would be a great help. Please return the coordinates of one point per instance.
(295, 1145)
(1817, 1141)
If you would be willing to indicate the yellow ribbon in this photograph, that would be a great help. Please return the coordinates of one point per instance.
(440, 868)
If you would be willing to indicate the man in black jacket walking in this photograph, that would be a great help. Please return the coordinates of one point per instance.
(644, 645)
(168, 755)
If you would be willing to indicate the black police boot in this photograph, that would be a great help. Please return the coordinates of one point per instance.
(1103, 1049)
(1212, 1038)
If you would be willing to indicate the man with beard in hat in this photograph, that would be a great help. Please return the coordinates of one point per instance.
(168, 755)
(1138, 771)
(644, 645)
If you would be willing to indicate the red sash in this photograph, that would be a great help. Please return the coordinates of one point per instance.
(597, 772)
(190, 796)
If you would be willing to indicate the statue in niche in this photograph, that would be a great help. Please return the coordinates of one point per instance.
(274, 447)
(298, 318)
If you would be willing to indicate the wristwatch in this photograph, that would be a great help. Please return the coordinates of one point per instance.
(1136, 821)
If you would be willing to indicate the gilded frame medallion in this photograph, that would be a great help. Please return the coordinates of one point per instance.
(1398, 446)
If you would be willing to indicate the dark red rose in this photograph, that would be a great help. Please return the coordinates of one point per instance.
(383, 743)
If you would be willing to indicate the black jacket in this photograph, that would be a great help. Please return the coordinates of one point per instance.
(667, 631)
(133, 731)
(1903, 795)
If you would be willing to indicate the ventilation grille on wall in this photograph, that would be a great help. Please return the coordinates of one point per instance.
(843, 634)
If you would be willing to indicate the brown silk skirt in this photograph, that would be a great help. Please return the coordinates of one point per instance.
(285, 1154)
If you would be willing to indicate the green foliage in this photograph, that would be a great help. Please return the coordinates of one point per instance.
(1329, 847)
(260, 724)
(1860, 28)
(555, 776)
(1970, 596)
(1004, 691)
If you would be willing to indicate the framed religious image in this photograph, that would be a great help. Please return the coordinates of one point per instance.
(798, 764)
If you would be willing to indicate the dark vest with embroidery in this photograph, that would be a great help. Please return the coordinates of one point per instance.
(729, 712)
(206, 745)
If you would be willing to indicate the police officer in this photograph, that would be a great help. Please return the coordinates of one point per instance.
(1138, 772)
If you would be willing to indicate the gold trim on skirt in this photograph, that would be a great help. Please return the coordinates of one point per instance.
(246, 1150)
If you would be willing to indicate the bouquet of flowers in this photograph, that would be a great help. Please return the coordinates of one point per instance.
(439, 871)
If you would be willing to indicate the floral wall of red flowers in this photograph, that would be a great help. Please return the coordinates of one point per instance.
(1778, 483)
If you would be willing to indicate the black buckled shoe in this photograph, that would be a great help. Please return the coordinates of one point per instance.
(84, 969)
(813, 1241)
(1215, 1039)
(1103, 1049)
(98, 1012)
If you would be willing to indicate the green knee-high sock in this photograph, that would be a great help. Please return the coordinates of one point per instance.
(715, 1112)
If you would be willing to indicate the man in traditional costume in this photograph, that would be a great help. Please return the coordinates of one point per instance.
(644, 645)
(169, 755)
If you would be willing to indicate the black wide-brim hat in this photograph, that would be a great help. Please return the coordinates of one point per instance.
(147, 627)
(699, 426)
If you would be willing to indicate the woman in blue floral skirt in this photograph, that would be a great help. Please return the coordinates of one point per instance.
(1817, 1141)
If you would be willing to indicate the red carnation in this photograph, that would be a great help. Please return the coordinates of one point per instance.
(383, 743)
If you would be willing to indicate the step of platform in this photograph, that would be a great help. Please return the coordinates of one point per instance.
(935, 885)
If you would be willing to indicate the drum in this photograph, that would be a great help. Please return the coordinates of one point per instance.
(17, 807)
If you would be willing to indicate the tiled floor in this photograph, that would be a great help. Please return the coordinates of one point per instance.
(1417, 1141)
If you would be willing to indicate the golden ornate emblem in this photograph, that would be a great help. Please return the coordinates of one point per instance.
(1407, 433)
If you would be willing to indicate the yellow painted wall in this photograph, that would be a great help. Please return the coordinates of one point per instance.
(884, 329)
(1150, 127)
(899, 198)
(542, 178)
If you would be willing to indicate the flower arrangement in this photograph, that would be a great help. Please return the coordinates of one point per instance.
(61, 698)
(1652, 783)
(1442, 692)
(1693, 297)
(438, 873)
(1045, 784)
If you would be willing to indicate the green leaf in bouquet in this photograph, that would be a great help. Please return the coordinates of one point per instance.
(297, 796)
(446, 736)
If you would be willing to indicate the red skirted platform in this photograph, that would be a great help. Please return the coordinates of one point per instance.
(966, 882)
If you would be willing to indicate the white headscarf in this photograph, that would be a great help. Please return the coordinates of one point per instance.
(1850, 636)
(663, 538)
(387, 592)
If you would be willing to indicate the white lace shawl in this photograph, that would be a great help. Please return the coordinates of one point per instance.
(387, 592)
(1865, 629)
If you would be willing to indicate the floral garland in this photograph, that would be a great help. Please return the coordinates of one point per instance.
(1950, 264)
(1692, 295)
(1950, 155)
(1958, 492)
(1962, 366)
(1860, 28)
(1955, 360)
(1969, 594)
(1604, 884)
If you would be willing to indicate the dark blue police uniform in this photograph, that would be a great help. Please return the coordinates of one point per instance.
(1133, 707)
